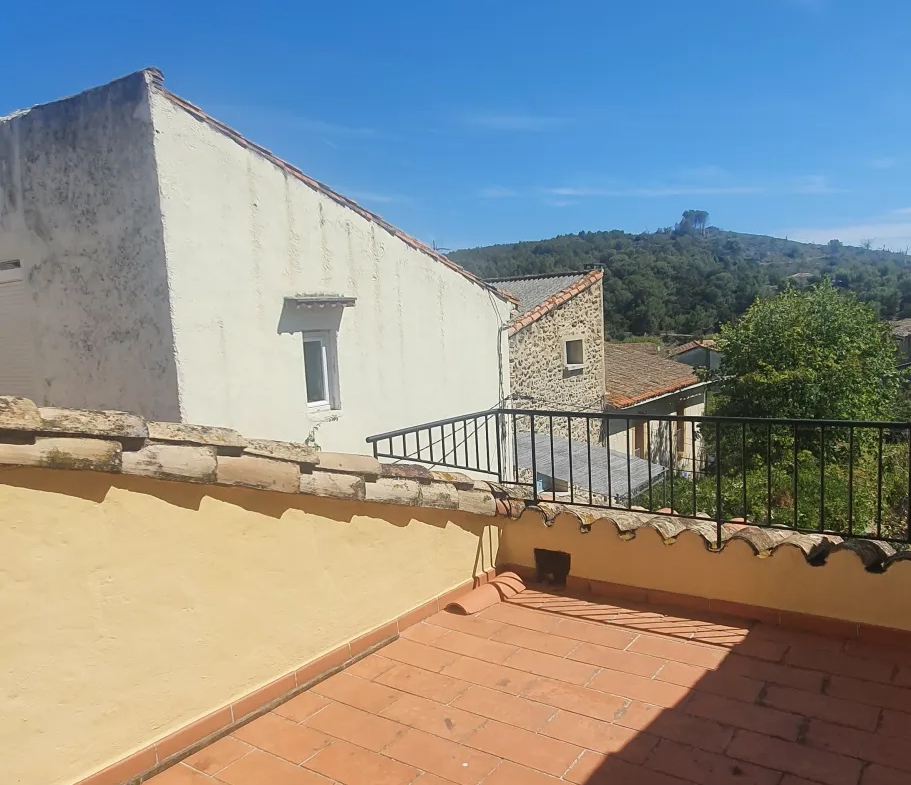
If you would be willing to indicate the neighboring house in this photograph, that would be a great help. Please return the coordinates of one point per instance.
(698, 354)
(555, 339)
(901, 332)
(639, 383)
(154, 260)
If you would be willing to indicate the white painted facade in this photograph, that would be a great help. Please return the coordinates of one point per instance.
(226, 235)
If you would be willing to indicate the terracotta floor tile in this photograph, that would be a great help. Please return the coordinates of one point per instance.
(596, 769)
(422, 633)
(618, 660)
(552, 667)
(356, 726)
(282, 737)
(580, 700)
(433, 686)
(747, 716)
(260, 768)
(718, 682)
(364, 695)
(218, 755)
(600, 736)
(676, 726)
(427, 657)
(816, 765)
(522, 617)
(626, 685)
(524, 747)
(180, 775)
(869, 747)
(679, 651)
(431, 779)
(870, 693)
(880, 775)
(896, 724)
(454, 762)
(352, 765)
(370, 667)
(601, 634)
(773, 672)
(508, 773)
(823, 707)
(472, 646)
(486, 674)
(843, 664)
(510, 709)
(301, 706)
(545, 642)
(708, 768)
(473, 625)
(444, 721)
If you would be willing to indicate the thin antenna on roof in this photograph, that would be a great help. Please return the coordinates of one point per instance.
(437, 248)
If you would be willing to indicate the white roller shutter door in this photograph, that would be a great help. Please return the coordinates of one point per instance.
(16, 367)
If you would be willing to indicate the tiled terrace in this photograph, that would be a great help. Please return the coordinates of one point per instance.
(550, 688)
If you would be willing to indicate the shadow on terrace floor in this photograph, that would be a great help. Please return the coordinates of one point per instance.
(553, 688)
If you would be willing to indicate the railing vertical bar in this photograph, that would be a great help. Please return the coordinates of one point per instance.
(569, 437)
(719, 514)
(743, 466)
(588, 447)
(768, 474)
(499, 435)
(879, 485)
(443, 442)
(417, 441)
(553, 468)
(515, 447)
(534, 461)
(648, 458)
(487, 442)
(610, 490)
(693, 445)
(455, 445)
(794, 429)
(404, 447)
(908, 517)
(629, 476)
(850, 480)
(477, 447)
(822, 477)
(674, 448)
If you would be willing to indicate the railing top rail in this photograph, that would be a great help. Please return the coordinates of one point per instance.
(434, 424)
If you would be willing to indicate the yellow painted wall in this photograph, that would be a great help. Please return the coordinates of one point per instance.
(131, 607)
(840, 589)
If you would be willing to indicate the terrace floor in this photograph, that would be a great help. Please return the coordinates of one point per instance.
(552, 688)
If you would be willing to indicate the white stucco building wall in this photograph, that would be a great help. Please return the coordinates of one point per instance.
(182, 247)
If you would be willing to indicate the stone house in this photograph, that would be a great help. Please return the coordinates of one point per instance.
(901, 333)
(555, 339)
(154, 260)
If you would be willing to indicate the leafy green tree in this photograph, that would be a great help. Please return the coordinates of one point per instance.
(814, 353)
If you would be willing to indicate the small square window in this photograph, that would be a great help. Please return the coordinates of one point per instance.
(574, 354)
(320, 371)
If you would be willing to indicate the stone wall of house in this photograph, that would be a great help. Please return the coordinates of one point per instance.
(538, 377)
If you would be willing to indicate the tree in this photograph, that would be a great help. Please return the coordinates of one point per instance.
(814, 353)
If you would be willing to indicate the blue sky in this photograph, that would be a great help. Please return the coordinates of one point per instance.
(468, 123)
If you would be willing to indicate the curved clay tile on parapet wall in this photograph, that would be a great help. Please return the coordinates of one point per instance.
(499, 589)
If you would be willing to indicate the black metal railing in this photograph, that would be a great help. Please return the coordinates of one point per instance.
(847, 478)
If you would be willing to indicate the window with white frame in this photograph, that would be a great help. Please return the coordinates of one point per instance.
(574, 354)
(321, 370)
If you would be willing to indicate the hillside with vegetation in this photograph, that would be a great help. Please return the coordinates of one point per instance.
(689, 279)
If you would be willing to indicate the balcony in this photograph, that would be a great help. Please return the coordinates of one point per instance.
(188, 605)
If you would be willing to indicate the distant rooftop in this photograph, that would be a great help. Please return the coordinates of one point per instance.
(702, 344)
(539, 294)
(632, 376)
(901, 328)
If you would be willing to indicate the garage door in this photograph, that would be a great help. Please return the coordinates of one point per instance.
(16, 367)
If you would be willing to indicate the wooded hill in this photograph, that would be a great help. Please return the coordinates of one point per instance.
(691, 278)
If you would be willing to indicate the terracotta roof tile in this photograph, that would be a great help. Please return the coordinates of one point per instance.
(685, 347)
(632, 376)
(156, 80)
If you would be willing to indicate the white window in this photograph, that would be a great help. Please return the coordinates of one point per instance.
(574, 354)
(321, 370)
